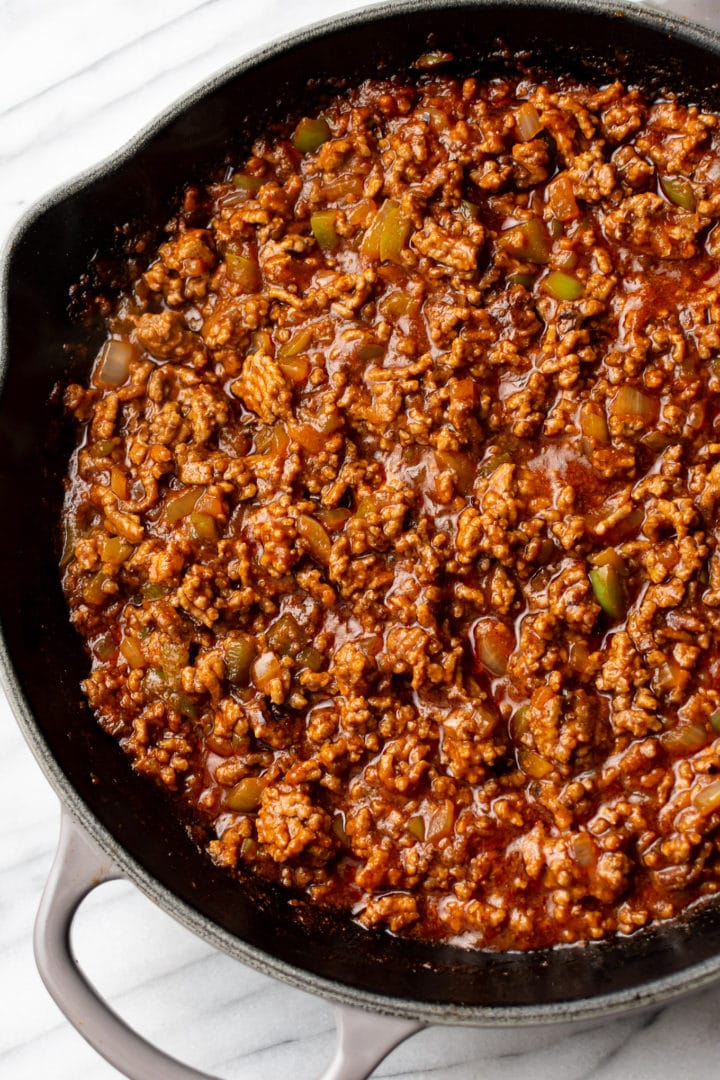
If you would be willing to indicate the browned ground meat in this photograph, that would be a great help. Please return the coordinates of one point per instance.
(392, 532)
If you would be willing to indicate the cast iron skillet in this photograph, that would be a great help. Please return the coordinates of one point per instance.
(129, 822)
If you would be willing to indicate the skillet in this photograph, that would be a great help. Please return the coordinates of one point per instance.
(131, 827)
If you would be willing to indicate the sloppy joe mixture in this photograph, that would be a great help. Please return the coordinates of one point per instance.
(392, 529)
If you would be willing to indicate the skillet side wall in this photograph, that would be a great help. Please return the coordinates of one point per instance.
(48, 661)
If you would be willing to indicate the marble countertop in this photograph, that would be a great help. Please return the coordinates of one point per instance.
(77, 79)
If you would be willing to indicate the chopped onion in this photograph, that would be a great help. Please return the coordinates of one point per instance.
(593, 423)
(708, 799)
(631, 403)
(686, 739)
(114, 362)
(528, 122)
(561, 198)
(442, 821)
(493, 642)
(266, 673)
(583, 849)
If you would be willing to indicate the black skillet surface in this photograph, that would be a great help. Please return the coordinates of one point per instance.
(42, 659)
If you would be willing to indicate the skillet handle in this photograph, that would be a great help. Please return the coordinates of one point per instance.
(363, 1040)
(78, 868)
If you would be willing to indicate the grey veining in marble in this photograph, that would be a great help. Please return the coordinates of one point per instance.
(78, 78)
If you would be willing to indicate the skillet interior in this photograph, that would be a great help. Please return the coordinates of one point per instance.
(50, 254)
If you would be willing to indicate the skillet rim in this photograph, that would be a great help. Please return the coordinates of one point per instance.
(652, 992)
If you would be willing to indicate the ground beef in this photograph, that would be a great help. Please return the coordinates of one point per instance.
(392, 528)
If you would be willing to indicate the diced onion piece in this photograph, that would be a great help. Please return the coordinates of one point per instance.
(243, 271)
(370, 243)
(272, 441)
(686, 739)
(310, 134)
(563, 286)
(416, 826)
(561, 198)
(323, 228)
(246, 182)
(387, 235)
(441, 821)
(183, 505)
(579, 655)
(528, 121)
(528, 240)
(211, 504)
(344, 186)
(367, 507)
(308, 437)
(114, 362)
(493, 642)
(370, 646)
(203, 526)
(131, 650)
(315, 536)
(584, 850)
(240, 652)
(632, 404)
(335, 517)
(607, 585)
(245, 797)
(266, 672)
(295, 368)
(532, 764)
(679, 191)
(330, 421)
(609, 557)
(708, 800)
(566, 260)
(396, 304)
(119, 482)
(593, 423)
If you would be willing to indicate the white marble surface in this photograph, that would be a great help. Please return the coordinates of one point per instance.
(77, 78)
